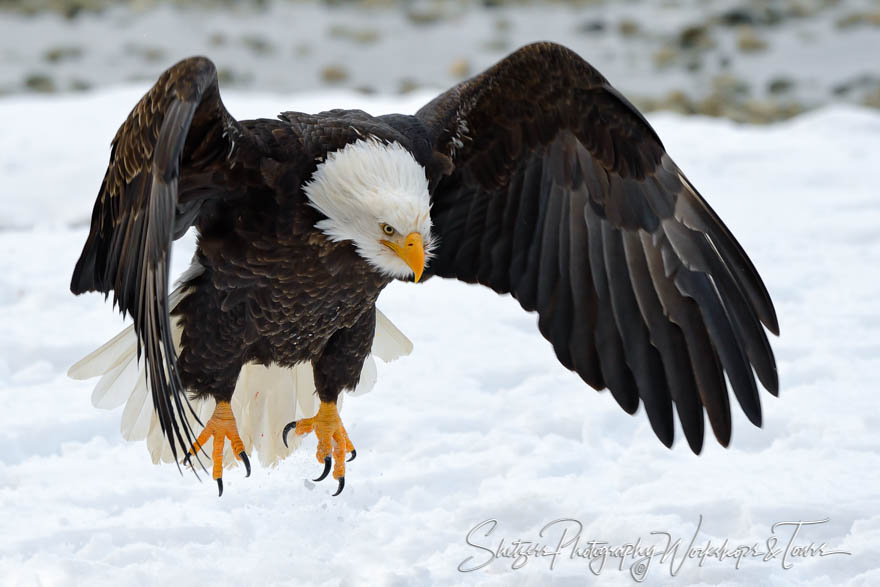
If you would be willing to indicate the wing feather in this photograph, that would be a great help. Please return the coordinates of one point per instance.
(641, 355)
(615, 367)
(179, 134)
(683, 312)
(581, 343)
(561, 194)
(667, 338)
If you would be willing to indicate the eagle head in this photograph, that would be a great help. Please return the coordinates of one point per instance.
(375, 194)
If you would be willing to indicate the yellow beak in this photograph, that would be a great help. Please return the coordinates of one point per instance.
(412, 252)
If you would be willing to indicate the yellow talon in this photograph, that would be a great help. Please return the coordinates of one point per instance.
(332, 438)
(221, 426)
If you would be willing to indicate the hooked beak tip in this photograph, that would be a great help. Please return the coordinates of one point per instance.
(412, 252)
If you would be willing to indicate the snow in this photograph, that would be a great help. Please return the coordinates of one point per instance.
(480, 422)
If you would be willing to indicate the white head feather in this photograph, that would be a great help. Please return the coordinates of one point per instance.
(365, 185)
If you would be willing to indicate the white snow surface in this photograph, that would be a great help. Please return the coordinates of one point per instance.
(480, 422)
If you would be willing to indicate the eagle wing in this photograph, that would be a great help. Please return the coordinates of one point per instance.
(172, 154)
(558, 191)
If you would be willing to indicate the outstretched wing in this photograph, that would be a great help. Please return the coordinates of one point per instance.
(170, 156)
(560, 193)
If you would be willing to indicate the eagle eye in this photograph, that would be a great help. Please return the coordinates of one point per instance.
(388, 229)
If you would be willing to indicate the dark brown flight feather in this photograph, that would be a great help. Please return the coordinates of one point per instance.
(563, 196)
(140, 210)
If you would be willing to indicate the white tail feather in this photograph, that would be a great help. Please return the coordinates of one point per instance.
(390, 343)
(102, 360)
(265, 398)
(112, 389)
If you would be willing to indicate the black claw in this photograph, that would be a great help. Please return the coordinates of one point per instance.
(326, 470)
(186, 461)
(247, 464)
(220, 486)
(341, 486)
(287, 429)
(354, 454)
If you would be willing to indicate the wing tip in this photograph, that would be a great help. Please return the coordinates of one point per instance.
(770, 321)
(695, 442)
(83, 279)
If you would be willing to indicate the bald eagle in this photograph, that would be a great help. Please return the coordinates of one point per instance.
(535, 178)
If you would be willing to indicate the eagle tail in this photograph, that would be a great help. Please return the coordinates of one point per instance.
(265, 398)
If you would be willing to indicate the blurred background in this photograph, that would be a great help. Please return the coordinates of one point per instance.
(744, 60)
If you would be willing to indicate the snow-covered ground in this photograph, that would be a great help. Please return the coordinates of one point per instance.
(480, 422)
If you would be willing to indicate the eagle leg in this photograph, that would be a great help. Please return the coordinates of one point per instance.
(221, 426)
(333, 440)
